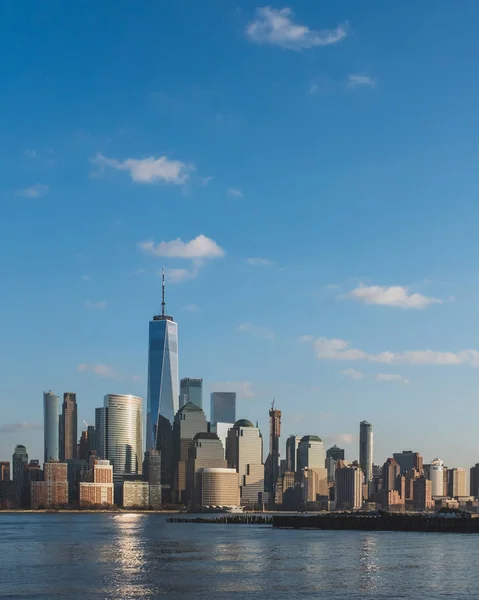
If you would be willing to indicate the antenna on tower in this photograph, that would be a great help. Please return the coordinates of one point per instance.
(163, 291)
(272, 405)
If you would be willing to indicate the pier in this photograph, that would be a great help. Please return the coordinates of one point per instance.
(220, 519)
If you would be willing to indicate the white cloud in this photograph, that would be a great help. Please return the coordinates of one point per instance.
(200, 247)
(35, 191)
(235, 192)
(395, 295)
(260, 262)
(256, 330)
(346, 438)
(96, 304)
(99, 369)
(180, 275)
(148, 170)
(391, 377)
(313, 88)
(353, 374)
(191, 308)
(30, 153)
(275, 26)
(242, 388)
(358, 80)
(337, 349)
(206, 180)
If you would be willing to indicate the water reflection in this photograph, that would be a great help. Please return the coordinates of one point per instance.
(370, 572)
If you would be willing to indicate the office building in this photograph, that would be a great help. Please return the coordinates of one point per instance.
(163, 387)
(366, 450)
(69, 427)
(408, 460)
(52, 492)
(272, 462)
(311, 454)
(189, 421)
(436, 475)
(315, 485)
(118, 427)
(206, 451)
(91, 439)
(51, 410)
(292, 444)
(474, 481)
(223, 407)
(19, 461)
(152, 474)
(221, 430)
(136, 494)
(4, 471)
(349, 484)
(219, 487)
(422, 494)
(99, 492)
(83, 451)
(191, 390)
(244, 452)
(335, 453)
(456, 483)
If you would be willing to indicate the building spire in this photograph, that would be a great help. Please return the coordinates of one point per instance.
(163, 291)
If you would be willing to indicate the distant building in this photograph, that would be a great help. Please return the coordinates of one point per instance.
(393, 485)
(52, 492)
(349, 482)
(422, 494)
(315, 485)
(118, 427)
(76, 472)
(69, 427)
(335, 453)
(206, 451)
(271, 468)
(311, 454)
(366, 450)
(436, 475)
(456, 483)
(408, 460)
(31, 472)
(221, 430)
(136, 494)
(4, 471)
(91, 439)
(152, 474)
(474, 481)
(292, 444)
(51, 409)
(19, 461)
(244, 452)
(189, 421)
(83, 449)
(219, 487)
(191, 390)
(99, 492)
(223, 407)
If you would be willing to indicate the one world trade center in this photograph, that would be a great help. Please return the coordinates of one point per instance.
(163, 393)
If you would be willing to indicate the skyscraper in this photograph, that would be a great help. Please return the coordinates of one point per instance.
(366, 450)
(311, 453)
(335, 453)
(292, 444)
(163, 392)
(206, 450)
(119, 428)
(51, 409)
(408, 460)
(436, 475)
(272, 462)
(69, 427)
(474, 481)
(349, 482)
(191, 390)
(244, 452)
(456, 483)
(19, 460)
(223, 407)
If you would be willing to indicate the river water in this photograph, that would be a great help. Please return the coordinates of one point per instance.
(126, 556)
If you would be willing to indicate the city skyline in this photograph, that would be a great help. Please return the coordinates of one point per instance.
(318, 179)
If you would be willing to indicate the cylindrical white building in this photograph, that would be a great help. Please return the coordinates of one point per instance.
(436, 473)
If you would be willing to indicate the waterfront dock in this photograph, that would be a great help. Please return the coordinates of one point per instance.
(221, 519)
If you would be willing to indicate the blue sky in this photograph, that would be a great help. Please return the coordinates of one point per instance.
(306, 172)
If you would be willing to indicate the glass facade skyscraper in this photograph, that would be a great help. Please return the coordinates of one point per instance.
(366, 450)
(223, 407)
(69, 427)
(51, 410)
(191, 390)
(163, 388)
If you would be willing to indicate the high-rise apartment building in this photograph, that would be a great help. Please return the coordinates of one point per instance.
(366, 450)
(422, 494)
(292, 444)
(98, 492)
(119, 428)
(206, 451)
(456, 480)
(349, 484)
(223, 407)
(52, 492)
(272, 462)
(311, 454)
(136, 494)
(408, 460)
(436, 475)
(163, 388)
(19, 461)
(244, 452)
(51, 410)
(69, 427)
(4, 471)
(189, 421)
(191, 390)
